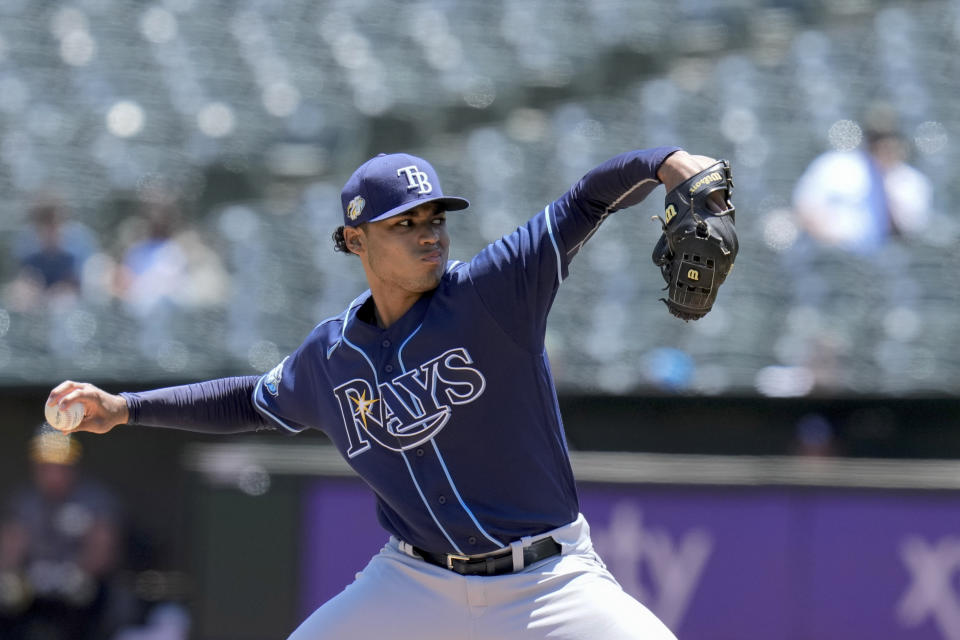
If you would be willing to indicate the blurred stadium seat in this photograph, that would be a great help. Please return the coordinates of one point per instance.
(512, 102)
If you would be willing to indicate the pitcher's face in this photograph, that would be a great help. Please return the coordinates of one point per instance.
(407, 251)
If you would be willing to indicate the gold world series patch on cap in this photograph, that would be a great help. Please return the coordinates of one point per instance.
(355, 208)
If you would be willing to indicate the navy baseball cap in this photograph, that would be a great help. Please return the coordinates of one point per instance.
(388, 185)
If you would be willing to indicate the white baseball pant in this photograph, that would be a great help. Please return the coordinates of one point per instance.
(567, 597)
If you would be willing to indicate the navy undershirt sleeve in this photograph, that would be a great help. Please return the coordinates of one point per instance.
(214, 406)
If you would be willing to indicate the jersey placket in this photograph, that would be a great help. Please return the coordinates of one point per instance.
(428, 471)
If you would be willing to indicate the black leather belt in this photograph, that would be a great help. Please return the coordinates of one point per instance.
(492, 564)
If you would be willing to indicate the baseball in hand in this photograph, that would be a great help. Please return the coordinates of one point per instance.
(65, 420)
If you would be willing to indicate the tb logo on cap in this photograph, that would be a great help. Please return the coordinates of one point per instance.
(416, 179)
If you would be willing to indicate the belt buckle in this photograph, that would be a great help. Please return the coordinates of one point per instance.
(452, 556)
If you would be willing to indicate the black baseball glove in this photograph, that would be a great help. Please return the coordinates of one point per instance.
(699, 243)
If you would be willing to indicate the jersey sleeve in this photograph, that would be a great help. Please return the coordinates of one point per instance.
(517, 277)
(279, 396)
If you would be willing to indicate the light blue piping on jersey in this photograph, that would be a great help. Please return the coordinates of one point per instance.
(376, 380)
(263, 409)
(443, 464)
(460, 500)
(427, 505)
(556, 249)
(266, 411)
(403, 369)
(343, 326)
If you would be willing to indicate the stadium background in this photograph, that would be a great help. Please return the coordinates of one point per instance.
(250, 115)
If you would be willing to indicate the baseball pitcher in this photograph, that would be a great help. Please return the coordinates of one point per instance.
(435, 386)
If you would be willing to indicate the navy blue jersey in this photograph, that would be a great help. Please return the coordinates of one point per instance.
(450, 415)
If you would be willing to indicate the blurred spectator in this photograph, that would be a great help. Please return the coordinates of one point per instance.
(167, 262)
(814, 437)
(166, 621)
(50, 256)
(856, 200)
(668, 368)
(166, 265)
(60, 540)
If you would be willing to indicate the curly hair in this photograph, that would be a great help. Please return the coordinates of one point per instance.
(339, 242)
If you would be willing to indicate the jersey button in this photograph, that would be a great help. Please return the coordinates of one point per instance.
(442, 500)
(388, 368)
(385, 343)
(472, 540)
(420, 452)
